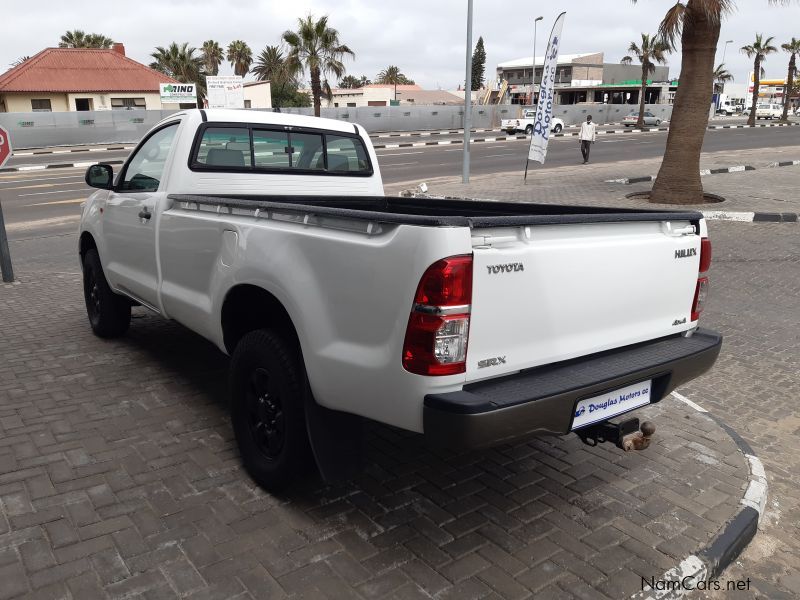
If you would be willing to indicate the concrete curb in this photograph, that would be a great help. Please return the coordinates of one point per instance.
(728, 543)
(70, 151)
(76, 165)
(704, 172)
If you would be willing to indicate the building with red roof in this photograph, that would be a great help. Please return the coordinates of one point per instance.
(78, 79)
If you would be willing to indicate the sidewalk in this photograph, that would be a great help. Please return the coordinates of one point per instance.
(588, 185)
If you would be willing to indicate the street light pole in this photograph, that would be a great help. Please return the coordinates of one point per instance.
(533, 74)
(467, 96)
(725, 49)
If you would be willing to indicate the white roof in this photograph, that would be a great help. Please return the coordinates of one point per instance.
(526, 61)
(231, 115)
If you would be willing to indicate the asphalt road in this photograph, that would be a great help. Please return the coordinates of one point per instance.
(46, 202)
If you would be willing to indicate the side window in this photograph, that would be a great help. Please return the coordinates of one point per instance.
(271, 149)
(307, 151)
(346, 155)
(146, 167)
(224, 147)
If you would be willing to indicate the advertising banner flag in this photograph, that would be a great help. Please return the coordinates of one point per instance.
(544, 107)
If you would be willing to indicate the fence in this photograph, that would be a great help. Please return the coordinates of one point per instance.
(42, 129)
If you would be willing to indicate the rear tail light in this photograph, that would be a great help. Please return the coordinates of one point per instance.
(438, 327)
(701, 289)
(700, 295)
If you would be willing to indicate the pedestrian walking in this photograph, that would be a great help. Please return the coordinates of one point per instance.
(587, 136)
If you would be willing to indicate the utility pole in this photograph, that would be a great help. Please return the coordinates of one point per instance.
(467, 97)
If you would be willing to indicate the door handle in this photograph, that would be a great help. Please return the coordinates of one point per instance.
(143, 214)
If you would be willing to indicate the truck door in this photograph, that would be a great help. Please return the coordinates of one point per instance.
(129, 219)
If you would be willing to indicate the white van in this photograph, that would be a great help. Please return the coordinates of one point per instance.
(769, 111)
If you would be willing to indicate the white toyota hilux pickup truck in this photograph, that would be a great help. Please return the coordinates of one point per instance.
(473, 323)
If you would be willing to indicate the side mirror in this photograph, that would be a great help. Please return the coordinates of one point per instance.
(100, 176)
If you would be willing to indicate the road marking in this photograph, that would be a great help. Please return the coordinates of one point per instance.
(47, 193)
(18, 178)
(401, 164)
(23, 225)
(685, 400)
(41, 185)
(495, 155)
(73, 201)
(403, 153)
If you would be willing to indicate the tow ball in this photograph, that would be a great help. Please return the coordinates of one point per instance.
(627, 434)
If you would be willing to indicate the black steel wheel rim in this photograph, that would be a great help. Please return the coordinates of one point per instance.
(265, 418)
(93, 294)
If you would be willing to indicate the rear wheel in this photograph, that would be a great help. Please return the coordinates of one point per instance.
(658, 122)
(109, 313)
(268, 390)
(557, 128)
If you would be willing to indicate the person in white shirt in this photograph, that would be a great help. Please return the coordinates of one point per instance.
(587, 136)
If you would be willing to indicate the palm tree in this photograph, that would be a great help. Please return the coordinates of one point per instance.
(758, 51)
(19, 61)
(240, 56)
(652, 50)
(363, 80)
(793, 48)
(271, 65)
(316, 47)
(392, 75)
(212, 56)
(349, 82)
(721, 76)
(182, 63)
(79, 39)
(697, 23)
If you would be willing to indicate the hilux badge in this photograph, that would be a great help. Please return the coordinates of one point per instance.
(686, 253)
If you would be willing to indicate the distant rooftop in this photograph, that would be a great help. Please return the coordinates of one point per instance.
(82, 70)
(528, 60)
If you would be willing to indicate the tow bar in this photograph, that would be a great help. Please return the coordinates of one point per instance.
(625, 434)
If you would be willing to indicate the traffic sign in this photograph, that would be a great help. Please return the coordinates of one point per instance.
(5, 146)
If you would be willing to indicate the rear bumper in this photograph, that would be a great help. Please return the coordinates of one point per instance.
(542, 400)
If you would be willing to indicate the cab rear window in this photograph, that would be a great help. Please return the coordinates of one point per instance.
(255, 148)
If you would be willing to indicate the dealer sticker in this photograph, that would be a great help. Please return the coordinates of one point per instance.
(610, 404)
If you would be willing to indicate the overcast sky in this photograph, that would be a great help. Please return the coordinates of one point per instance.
(425, 38)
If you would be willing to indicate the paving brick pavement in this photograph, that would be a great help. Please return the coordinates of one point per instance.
(119, 477)
(762, 190)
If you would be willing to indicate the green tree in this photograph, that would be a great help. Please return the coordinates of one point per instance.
(349, 82)
(478, 65)
(652, 50)
(721, 77)
(316, 47)
(212, 55)
(181, 62)
(19, 61)
(363, 80)
(758, 51)
(393, 76)
(271, 66)
(80, 39)
(240, 56)
(793, 48)
(697, 24)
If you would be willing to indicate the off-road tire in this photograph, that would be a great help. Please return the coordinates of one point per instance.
(109, 313)
(268, 390)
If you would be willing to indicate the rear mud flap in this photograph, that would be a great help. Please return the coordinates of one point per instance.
(336, 440)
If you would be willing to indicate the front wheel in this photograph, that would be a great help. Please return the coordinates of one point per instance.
(658, 122)
(529, 130)
(557, 128)
(109, 313)
(268, 391)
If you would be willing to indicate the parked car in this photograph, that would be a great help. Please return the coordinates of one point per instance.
(769, 110)
(650, 120)
(746, 112)
(526, 123)
(471, 322)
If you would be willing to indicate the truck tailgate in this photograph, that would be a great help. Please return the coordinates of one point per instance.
(553, 292)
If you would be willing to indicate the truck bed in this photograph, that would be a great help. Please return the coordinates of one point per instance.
(434, 212)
